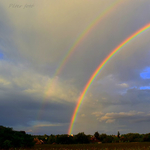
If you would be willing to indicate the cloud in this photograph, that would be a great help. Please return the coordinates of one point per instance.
(83, 115)
(38, 41)
(4, 82)
(21, 78)
(125, 85)
(113, 117)
(26, 112)
(97, 114)
(47, 125)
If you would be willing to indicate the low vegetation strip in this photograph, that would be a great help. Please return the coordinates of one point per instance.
(105, 146)
(19, 140)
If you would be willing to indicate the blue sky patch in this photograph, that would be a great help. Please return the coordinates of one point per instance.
(1, 55)
(145, 88)
(146, 73)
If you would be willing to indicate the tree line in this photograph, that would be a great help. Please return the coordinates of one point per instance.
(14, 139)
(129, 137)
(82, 138)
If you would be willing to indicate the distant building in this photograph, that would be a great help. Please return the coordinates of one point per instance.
(95, 140)
(37, 141)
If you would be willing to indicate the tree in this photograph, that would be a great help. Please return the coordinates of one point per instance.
(102, 137)
(10, 138)
(82, 138)
(7, 144)
(146, 137)
(115, 139)
(96, 134)
(108, 139)
(118, 135)
(51, 139)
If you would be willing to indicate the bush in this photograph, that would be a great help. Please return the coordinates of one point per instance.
(10, 138)
(7, 144)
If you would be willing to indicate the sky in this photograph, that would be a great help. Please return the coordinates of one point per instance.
(49, 49)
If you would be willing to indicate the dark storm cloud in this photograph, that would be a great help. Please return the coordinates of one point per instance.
(131, 97)
(17, 109)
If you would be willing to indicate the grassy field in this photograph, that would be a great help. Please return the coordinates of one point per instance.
(112, 146)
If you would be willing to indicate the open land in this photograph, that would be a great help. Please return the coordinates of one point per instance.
(110, 146)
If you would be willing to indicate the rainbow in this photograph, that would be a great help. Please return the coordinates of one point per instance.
(84, 34)
(79, 40)
(81, 37)
(99, 68)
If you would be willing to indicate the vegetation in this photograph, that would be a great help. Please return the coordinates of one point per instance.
(10, 138)
(17, 140)
(105, 146)
(82, 138)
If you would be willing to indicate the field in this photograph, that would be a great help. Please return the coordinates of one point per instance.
(112, 146)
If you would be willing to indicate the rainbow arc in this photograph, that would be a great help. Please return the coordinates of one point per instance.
(77, 42)
(97, 71)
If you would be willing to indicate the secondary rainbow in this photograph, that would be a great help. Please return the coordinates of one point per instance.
(79, 40)
(84, 34)
(81, 37)
(99, 68)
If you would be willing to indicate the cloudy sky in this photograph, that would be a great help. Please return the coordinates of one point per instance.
(40, 83)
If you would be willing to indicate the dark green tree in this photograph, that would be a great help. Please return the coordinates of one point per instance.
(51, 139)
(118, 134)
(146, 137)
(96, 134)
(102, 137)
(108, 139)
(81, 138)
(10, 138)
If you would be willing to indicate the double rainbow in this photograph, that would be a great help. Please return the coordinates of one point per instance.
(79, 40)
(99, 68)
